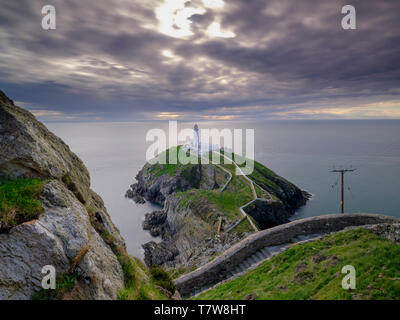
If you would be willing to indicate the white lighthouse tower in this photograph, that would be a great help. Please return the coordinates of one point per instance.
(197, 139)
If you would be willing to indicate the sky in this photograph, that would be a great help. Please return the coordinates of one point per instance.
(132, 60)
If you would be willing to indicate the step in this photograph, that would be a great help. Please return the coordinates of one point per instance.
(247, 263)
(261, 255)
(276, 249)
(266, 252)
(252, 260)
(256, 258)
(273, 249)
(303, 237)
(296, 239)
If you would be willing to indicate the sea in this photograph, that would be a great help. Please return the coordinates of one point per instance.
(304, 152)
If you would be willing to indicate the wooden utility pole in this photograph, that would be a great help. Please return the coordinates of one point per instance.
(342, 172)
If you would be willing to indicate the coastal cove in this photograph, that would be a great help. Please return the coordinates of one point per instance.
(301, 151)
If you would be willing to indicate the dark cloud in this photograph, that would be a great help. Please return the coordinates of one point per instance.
(286, 59)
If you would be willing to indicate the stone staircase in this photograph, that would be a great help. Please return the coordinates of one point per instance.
(259, 246)
(258, 257)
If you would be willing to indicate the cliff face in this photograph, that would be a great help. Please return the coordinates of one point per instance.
(68, 232)
(155, 185)
(197, 212)
(268, 214)
(156, 188)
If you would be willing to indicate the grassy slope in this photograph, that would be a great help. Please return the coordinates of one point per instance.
(228, 202)
(264, 177)
(261, 175)
(237, 194)
(313, 271)
(171, 169)
(242, 227)
(19, 201)
(139, 283)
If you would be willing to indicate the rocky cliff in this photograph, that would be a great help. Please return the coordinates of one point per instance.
(70, 232)
(200, 219)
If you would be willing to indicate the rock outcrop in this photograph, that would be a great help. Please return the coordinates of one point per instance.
(289, 195)
(27, 148)
(183, 229)
(156, 188)
(268, 214)
(73, 220)
(389, 231)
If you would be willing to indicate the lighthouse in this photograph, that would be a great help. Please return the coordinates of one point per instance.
(197, 138)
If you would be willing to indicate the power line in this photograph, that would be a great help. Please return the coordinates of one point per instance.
(342, 172)
(333, 186)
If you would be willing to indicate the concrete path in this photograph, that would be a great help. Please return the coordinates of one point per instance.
(229, 179)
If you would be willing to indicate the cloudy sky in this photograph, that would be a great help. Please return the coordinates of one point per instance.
(124, 60)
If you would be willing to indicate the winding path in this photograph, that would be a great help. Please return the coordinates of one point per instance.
(253, 190)
(242, 212)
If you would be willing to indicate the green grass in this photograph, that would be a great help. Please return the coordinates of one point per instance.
(228, 202)
(64, 284)
(171, 169)
(313, 271)
(176, 272)
(138, 284)
(19, 201)
(261, 175)
(139, 281)
(243, 227)
(162, 279)
(261, 194)
(265, 178)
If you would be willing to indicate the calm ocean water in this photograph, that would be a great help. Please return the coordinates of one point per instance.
(303, 152)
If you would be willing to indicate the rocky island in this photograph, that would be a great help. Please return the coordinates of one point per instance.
(206, 209)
